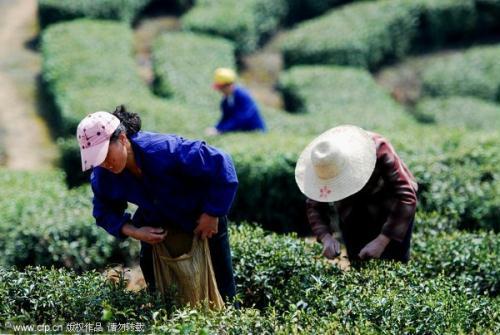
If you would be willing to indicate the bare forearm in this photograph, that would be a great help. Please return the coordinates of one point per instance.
(384, 239)
(130, 230)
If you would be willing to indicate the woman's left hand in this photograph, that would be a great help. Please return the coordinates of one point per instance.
(207, 226)
(375, 248)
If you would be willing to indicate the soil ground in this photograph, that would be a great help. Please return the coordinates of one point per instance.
(24, 134)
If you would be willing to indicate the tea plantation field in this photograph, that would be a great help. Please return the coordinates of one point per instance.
(53, 252)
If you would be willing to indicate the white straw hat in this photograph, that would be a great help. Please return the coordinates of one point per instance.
(336, 164)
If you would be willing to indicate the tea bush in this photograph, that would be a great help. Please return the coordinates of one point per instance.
(42, 223)
(180, 74)
(361, 34)
(52, 11)
(463, 112)
(347, 36)
(276, 270)
(75, 75)
(127, 11)
(442, 317)
(488, 14)
(298, 10)
(446, 20)
(340, 95)
(292, 289)
(58, 296)
(462, 185)
(472, 259)
(472, 73)
(245, 22)
(273, 269)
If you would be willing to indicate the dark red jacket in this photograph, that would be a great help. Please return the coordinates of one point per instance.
(388, 200)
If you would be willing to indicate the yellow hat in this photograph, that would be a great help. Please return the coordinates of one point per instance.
(224, 76)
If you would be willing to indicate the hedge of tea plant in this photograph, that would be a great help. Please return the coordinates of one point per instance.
(285, 286)
(475, 73)
(362, 34)
(44, 223)
(463, 112)
(52, 11)
(298, 10)
(127, 11)
(76, 75)
(40, 295)
(285, 267)
(369, 34)
(488, 14)
(442, 21)
(462, 184)
(341, 95)
(184, 64)
(470, 258)
(246, 22)
(88, 66)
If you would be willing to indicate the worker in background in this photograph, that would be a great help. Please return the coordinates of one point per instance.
(239, 110)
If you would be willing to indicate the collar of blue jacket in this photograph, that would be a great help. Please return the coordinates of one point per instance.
(181, 180)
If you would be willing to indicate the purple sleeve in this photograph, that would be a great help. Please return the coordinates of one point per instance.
(317, 214)
(401, 181)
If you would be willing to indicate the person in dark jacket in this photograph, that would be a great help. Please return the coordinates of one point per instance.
(355, 180)
(239, 110)
(187, 184)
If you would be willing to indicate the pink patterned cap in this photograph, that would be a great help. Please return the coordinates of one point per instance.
(93, 134)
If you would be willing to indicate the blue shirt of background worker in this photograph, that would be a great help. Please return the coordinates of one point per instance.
(240, 113)
(239, 110)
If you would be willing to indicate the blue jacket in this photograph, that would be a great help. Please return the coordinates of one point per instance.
(181, 180)
(240, 113)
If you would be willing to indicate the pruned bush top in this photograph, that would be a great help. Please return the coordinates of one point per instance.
(52, 11)
(465, 112)
(246, 22)
(360, 34)
(340, 95)
(475, 72)
(44, 223)
(286, 286)
(184, 64)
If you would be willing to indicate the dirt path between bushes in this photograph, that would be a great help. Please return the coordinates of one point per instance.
(25, 135)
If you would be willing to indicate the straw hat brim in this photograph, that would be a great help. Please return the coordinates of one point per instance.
(360, 158)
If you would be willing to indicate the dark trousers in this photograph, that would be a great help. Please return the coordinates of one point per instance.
(221, 261)
(357, 234)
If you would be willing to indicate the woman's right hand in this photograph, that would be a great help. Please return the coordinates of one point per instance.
(151, 235)
(331, 247)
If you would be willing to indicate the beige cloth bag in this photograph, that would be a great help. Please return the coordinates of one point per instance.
(183, 260)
